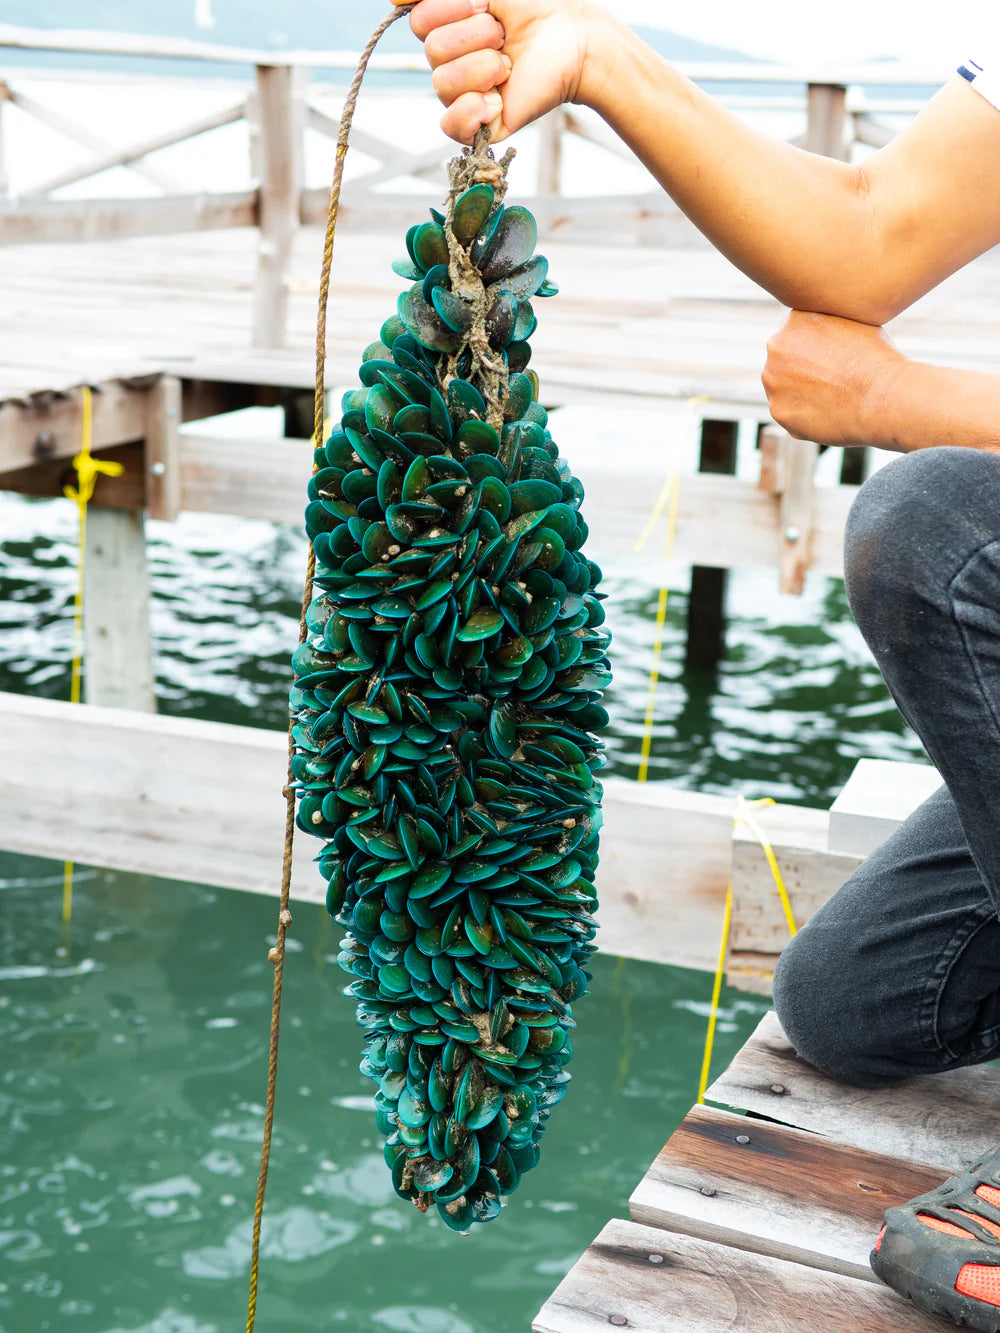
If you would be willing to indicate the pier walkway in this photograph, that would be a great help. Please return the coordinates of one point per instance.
(762, 1223)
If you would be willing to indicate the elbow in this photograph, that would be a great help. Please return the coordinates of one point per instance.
(864, 275)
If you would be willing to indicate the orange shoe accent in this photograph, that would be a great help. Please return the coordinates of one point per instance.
(881, 1238)
(981, 1282)
(990, 1194)
(949, 1228)
(955, 1230)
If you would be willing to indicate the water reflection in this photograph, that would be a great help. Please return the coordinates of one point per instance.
(130, 1127)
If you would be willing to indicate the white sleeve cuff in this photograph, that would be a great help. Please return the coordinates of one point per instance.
(985, 81)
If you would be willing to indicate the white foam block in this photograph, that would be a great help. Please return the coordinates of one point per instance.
(880, 794)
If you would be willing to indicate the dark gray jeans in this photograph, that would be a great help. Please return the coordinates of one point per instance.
(899, 973)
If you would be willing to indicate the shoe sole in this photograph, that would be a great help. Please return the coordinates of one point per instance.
(963, 1311)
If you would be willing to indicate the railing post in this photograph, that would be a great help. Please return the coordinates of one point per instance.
(281, 122)
(826, 128)
(4, 182)
(827, 134)
(550, 153)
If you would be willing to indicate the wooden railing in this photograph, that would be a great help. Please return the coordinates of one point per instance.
(278, 107)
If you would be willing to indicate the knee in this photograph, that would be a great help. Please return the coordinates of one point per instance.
(823, 1018)
(907, 516)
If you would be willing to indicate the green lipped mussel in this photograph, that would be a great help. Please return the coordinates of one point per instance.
(444, 716)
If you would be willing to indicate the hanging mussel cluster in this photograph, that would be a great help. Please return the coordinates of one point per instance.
(444, 711)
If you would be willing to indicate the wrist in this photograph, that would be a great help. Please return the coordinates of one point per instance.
(605, 48)
(887, 401)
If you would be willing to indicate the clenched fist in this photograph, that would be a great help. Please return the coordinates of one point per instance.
(504, 63)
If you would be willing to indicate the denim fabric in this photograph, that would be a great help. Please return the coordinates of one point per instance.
(899, 973)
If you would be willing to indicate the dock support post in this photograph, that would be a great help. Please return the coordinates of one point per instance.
(278, 150)
(118, 648)
(706, 625)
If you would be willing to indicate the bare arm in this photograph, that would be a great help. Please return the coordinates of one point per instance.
(861, 243)
(842, 383)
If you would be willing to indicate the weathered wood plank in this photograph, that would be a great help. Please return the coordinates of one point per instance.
(48, 426)
(197, 801)
(876, 799)
(782, 1192)
(948, 1118)
(115, 219)
(653, 1282)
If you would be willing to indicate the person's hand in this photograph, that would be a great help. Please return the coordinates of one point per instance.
(503, 63)
(830, 380)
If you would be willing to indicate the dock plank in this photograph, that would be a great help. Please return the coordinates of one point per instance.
(948, 1118)
(654, 1282)
(784, 1192)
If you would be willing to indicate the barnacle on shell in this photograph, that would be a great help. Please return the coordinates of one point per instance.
(444, 713)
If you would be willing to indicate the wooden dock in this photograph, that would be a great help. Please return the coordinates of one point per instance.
(762, 1223)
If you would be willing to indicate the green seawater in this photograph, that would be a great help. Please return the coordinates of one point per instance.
(133, 1076)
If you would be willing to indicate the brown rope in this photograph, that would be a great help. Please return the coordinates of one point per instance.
(477, 166)
(277, 954)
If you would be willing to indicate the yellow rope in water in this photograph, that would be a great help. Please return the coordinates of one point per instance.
(669, 496)
(277, 954)
(88, 469)
(742, 816)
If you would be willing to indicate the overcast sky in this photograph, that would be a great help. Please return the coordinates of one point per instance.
(842, 30)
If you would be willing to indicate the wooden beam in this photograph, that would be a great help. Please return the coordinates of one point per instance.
(721, 519)
(279, 105)
(131, 156)
(48, 426)
(202, 802)
(47, 480)
(117, 219)
(78, 133)
(102, 42)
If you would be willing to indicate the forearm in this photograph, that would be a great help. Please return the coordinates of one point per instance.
(801, 225)
(919, 406)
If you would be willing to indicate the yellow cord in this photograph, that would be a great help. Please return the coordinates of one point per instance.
(88, 469)
(713, 1017)
(669, 496)
(742, 816)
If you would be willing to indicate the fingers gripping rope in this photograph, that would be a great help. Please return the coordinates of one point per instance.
(277, 954)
